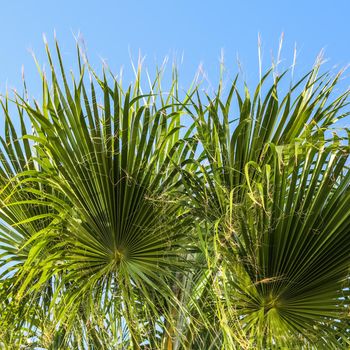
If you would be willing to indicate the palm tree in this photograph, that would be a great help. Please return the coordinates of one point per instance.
(123, 228)
(275, 192)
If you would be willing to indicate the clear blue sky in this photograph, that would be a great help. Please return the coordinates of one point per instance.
(197, 29)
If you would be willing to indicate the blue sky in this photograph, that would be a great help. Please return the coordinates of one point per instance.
(198, 30)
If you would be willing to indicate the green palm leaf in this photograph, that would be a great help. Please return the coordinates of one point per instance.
(115, 234)
(274, 191)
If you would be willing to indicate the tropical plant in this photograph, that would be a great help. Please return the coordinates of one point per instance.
(126, 226)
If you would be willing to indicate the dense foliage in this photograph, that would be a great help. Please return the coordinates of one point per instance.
(171, 220)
